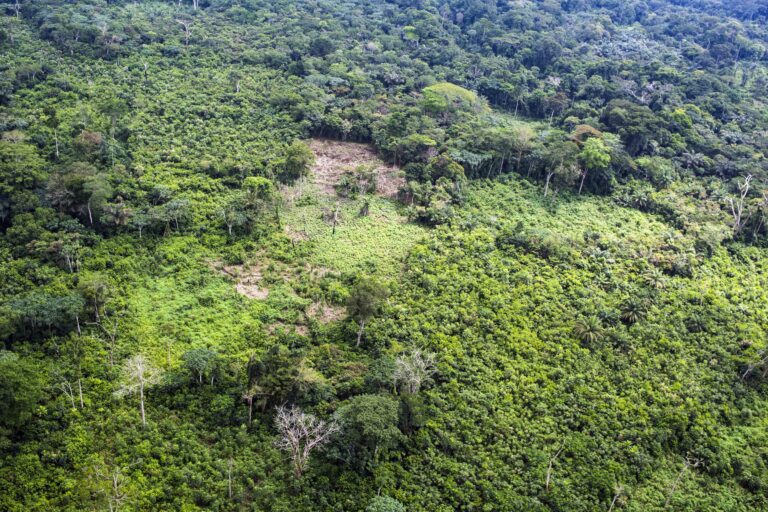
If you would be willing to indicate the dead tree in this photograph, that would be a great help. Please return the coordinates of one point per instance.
(249, 396)
(412, 370)
(66, 387)
(552, 460)
(187, 25)
(761, 365)
(688, 462)
(737, 205)
(138, 375)
(550, 174)
(335, 218)
(116, 480)
(109, 325)
(301, 433)
(620, 492)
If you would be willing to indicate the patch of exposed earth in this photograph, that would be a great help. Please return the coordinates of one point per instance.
(333, 158)
(248, 278)
(325, 313)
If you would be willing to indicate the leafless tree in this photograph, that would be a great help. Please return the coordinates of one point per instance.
(65, 386)
(300, 434)
(249, 396)
(761, 365)
(187, 25)
(550, 174)
(550, 467)
(688, 462)
(138, 374)
(118, 494)
(737, 205)
(109, 325)
(115, 488)
(631, 88)
(620, 493)
(335, 217)
(554, 81)
(413, 369)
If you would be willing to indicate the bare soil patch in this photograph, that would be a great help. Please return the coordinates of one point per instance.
(333, 158)
(301, 330)
(247, 278)
(325, 313)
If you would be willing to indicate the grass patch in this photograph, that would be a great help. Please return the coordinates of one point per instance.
(376, 243)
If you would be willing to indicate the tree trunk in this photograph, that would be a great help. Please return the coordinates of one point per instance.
(583, 177)
(67, 387)
(141, 400)
(613, 503)
(90, 215)
(546, 185)
(360, 332)
(80, 391)
(229, 478)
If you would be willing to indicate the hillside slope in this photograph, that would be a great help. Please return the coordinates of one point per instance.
(426, 255)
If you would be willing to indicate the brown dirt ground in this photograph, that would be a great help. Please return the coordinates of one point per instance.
(246, 277)
(325, 313)
(333, 158)
(301, 330)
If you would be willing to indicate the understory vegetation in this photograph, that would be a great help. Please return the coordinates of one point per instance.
(422, 255)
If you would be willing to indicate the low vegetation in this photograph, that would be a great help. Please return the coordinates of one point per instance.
(445, 255)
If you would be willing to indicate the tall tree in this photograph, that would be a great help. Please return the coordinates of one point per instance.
(594, 156)
(20, 389)
(297, 159)
(301, 433)
(137, 376)
(365, 301)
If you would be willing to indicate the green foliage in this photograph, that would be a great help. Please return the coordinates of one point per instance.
(384, 504)
(599, 351)
(21, 387)
(296, 162)
(366, 299)
(595, 154)
(201, 363)
(448, 97)
(368, 430)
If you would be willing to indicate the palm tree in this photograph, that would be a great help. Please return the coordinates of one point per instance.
(633, 310)
(589, 329)
(655, 279)
(692, 159)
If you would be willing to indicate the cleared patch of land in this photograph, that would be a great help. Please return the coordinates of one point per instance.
(333, 158)
(341, 235)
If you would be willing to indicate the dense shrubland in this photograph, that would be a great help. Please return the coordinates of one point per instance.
(563, 310)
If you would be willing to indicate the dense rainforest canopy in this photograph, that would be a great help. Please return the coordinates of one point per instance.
(357, 255)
